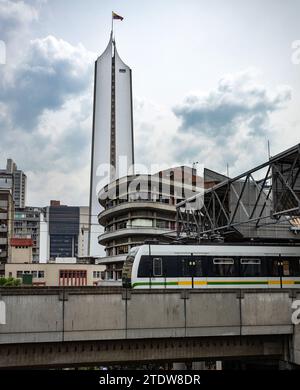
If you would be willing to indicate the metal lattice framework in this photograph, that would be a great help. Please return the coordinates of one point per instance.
(274, 198)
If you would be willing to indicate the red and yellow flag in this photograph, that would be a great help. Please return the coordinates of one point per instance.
(116, 16)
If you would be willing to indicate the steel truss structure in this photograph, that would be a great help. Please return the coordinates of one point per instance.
(246, 200)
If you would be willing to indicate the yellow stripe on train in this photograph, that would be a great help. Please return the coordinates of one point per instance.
(188, 283)
(277, 282)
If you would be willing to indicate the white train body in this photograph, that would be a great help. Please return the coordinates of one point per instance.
(212, 266)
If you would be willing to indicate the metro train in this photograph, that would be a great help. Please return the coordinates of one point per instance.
(212, 266)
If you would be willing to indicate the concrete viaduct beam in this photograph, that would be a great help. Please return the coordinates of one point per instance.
(82, 353)
(41, 320)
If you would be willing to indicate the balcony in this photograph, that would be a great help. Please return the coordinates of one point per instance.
(111, 259)
(3, 229)
(132, 231)
(107, 215)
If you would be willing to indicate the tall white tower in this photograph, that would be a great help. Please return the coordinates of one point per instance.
(112, 141)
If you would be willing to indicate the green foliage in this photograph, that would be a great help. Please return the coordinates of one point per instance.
(9, 282)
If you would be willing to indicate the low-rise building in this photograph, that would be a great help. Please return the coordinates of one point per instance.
(57, 274)
(21, 250)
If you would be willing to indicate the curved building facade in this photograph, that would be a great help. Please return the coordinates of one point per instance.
(137, 208)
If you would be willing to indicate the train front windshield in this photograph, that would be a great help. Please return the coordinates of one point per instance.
(127, 267)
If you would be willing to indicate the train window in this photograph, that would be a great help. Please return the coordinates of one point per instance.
(157, 266)
(291, 267)
(184, 263)
(251, 261)
(274, 271)
(286, 269)
(171, 266)
(145, 267)
(223, 267)
(198, 268)
(223, 261)
(251, 267)
(297, 267)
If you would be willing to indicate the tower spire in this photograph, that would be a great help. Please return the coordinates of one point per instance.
(112, 154)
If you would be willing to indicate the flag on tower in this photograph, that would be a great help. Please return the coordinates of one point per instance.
(116, 16)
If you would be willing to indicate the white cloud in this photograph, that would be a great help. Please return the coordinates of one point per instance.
(230, 124)
(46, 109)
(51, 72)
(15, 15)
(46, 115)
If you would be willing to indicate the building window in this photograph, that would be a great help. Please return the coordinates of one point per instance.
(41, 274)
(161, 224)
(110, 252)
(97, 274)
(122, 225)
(19, 274)
(122, 249)
(73, 277)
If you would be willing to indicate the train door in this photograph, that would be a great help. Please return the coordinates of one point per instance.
(191, 266)
(276, 272)
(280, 269)
(286, 272)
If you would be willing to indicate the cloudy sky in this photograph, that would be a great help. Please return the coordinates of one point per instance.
(212, 82)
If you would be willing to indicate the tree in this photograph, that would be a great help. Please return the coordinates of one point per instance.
(9, 282)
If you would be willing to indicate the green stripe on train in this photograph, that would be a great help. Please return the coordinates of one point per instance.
(234, 283)
(155, 284)
(209, 283)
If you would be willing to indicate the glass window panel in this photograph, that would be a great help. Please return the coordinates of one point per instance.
(251, 267)
(157, 266)
(223, 267)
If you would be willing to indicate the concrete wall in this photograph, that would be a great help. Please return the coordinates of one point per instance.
(36, 314)
(21, 254)
(83, 315)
